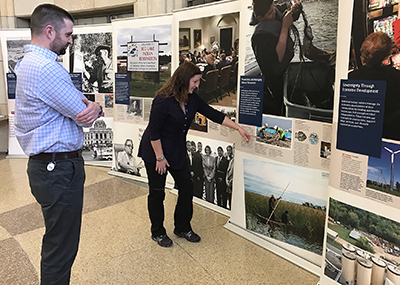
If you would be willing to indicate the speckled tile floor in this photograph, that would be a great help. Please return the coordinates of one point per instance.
(116, 247)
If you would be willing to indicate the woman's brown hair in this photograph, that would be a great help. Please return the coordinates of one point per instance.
(178, 85)
(375, 48)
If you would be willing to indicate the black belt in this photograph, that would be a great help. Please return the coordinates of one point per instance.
(50, 156)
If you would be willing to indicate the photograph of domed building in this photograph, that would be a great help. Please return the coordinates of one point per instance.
(98, 142)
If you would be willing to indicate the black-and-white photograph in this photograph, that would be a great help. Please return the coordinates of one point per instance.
(125, 158)
(90, 97)
(211, 169)
(230, 113)
(98, 142)
(91, 54)
(135, 107)
(15, 52)
(325, 149)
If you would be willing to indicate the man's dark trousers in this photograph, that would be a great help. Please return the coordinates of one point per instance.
(60, 194)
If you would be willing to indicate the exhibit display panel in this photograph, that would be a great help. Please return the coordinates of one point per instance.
(207, 35)
(12, 47)
(142, 64)
(281, 177)
(90, 63)
(83, 56)
(210, 145)
(362, 219)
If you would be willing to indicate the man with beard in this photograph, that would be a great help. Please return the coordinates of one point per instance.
(49, 115)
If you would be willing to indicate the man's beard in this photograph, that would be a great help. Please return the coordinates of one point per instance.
(62, 51)
(56, 47)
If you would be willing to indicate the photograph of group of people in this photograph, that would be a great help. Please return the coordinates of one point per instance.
(211, 169)
(298, 72)
(214, 47)
(91, 54)
(275, 131)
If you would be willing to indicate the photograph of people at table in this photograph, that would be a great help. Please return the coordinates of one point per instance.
(213, 45)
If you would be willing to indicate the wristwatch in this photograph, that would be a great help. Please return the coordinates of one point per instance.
(161, 158)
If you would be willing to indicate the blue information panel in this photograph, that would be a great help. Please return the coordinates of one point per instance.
(11, 85)
(251, 100)
(77, 80)
(360, 120)
(122, 88)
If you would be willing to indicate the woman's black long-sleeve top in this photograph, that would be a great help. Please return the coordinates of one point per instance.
(169, 123)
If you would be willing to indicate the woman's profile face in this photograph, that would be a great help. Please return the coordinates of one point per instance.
(194, 83)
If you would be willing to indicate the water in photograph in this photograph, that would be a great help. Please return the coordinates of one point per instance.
(281, 234)
(322, 16)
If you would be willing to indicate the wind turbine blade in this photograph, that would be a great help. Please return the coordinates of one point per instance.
(388, 149)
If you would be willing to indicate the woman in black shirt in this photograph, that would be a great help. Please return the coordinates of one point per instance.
(375, 48)
(163, 148)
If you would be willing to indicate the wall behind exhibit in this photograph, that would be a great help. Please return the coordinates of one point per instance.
(141, 7)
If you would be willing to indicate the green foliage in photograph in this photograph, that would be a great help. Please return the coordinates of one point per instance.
(306, 222)
(334, 243)
(363, 243)
(342, 232)
(146, 84)
(384, 187)
(352, 217)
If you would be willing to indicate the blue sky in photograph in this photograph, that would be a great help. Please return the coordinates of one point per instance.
(375, 165)
(163, 34)
(266, 178)
(285, 124)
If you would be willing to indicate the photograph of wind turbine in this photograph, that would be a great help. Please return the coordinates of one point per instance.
(385, 169)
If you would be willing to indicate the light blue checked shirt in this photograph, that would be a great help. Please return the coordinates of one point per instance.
(46, 104)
